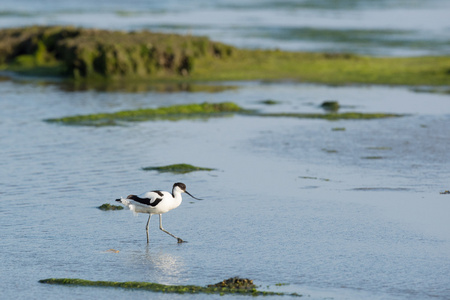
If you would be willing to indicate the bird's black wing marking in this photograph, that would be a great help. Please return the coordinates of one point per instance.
(145, 201)
(156, 202)
(159, 193)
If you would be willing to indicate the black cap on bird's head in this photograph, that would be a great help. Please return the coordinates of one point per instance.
(182, 187)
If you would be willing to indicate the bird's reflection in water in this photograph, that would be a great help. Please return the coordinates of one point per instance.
(160, 265)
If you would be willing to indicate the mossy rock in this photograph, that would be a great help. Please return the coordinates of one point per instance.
(107, 206)
(171, 113)
(156, 287)
(235, 283)
(94, 53)
(177, 169)
(332, 106)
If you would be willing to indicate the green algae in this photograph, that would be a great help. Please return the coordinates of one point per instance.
(107, 206)
(162, 288)
(172, 113)
(334, 116)
(334, 69)
(203, 110)
(101, 55)
(281, 284)
(177, 169)
(314, 178)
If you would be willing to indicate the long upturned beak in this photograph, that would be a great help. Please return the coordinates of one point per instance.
(191, 195)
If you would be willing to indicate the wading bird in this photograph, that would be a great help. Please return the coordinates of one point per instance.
(157, 203)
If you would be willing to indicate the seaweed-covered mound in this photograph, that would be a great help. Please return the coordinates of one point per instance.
(107, 206)
(231, 286)
(90, 53)
(174, 113)
(193, 111)
(177, 169)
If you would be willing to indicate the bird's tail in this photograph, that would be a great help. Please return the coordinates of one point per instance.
(126, 202)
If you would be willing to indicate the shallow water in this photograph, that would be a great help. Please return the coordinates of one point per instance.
(381, 28)
(342, 210)
(281, 207)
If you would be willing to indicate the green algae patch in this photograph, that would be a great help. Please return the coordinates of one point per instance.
(334, 116)
(107, 206)
(93, 55)
(281, 284)
(177, 169)
(198, 111)
(162, 288)
(269, 102)
(314, 178)
(172, 113)
(325, 68)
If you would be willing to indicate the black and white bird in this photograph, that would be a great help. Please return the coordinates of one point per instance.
(157, 203)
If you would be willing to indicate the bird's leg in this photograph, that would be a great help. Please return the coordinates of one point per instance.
(146, 228)
(160, 227)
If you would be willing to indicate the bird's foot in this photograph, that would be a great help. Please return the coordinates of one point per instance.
(181, 241)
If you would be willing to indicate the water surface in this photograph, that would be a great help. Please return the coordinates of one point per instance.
(343, 210)
(381, 28)
(279, 208)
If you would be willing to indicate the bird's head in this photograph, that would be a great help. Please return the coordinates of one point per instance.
(181, 188)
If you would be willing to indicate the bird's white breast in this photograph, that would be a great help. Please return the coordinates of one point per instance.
(167, 203)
